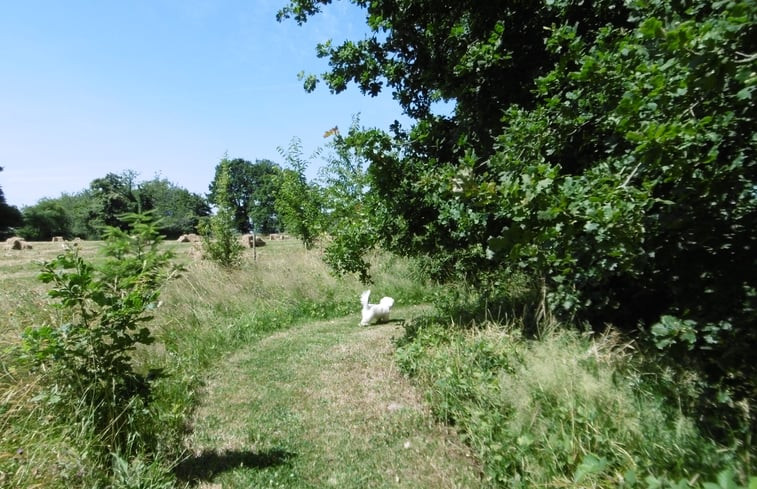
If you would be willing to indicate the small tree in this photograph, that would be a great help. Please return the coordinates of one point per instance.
(299, 203)
(353, 213)
(85, 360)
(220, 240)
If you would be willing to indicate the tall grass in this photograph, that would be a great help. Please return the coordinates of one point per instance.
(563, 411)
(206, 313)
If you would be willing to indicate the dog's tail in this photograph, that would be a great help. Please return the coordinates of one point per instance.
(364, 298)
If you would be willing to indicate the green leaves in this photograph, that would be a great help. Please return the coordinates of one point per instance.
(590, 465)
(220, 240)
(299, 203)
(652, 28)
(606, 149)
(671, 330)
(86, 359)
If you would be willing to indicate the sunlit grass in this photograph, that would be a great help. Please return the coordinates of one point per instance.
(321, 405)
(206, 314)
(563, 411)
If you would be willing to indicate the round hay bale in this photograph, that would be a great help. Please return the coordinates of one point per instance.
(246, 240)
(17, 243)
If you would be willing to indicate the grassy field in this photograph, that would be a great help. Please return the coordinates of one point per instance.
(269, 382)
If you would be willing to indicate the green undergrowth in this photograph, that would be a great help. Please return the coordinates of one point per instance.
(204, 315)
(568, 410)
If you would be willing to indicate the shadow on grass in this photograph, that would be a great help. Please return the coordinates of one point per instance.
(207, 465)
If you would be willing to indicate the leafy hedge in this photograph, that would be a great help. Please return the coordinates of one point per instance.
(631, 187)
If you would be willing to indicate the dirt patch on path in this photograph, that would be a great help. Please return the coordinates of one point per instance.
(327, 399)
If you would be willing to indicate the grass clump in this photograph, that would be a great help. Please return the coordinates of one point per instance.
(563, 411)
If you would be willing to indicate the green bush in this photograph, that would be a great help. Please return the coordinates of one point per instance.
(630, 187)
(85, 360)
(220, 238)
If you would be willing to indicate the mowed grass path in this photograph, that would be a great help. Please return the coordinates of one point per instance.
(321, 405)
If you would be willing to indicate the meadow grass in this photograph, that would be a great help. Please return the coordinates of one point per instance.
(566, 410)
(206, 314)
(268, 382)
(321, 405)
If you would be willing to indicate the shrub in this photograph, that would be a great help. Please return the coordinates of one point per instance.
(220, 239)
(85, 360)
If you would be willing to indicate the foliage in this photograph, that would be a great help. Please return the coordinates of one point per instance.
(565, 411)
(636, 200)
(44, 220)
(84, 214)
(299, 203)
(10, 216)
(339, 206)
(251, 192)
(179, 211)
(605, 149)
(87, 358)
(80, 211)
(353, 214)
(114, 195)
(220, 238)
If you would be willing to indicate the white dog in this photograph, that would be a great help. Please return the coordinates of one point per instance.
(378, 312)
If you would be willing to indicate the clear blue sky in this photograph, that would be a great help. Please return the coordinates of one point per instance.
(162, 87)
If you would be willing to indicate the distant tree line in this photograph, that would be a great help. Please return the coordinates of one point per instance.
(87, 213)
(10, 216)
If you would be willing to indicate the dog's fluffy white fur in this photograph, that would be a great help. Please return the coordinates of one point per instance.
(374, 312)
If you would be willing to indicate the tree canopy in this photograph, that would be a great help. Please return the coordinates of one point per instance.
(106, 201)
(44, 220)
(605, 149)
(252, 189)
(177, 209)
(10, 216)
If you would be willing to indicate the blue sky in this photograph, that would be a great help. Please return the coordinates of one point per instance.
(162, 87)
